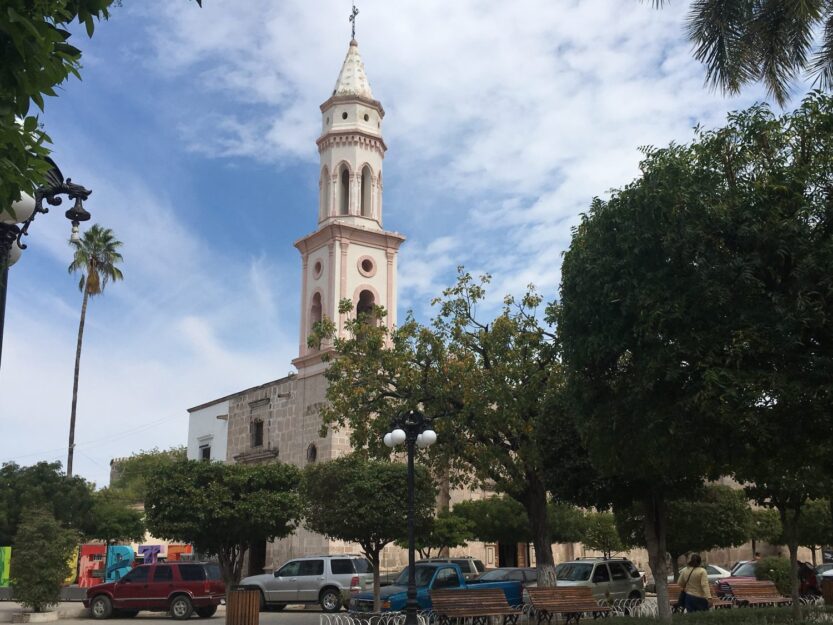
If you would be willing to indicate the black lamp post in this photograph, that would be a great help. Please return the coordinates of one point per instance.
(14, 227)
(414, 429)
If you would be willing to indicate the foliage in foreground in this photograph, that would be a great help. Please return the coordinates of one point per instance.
(364, 501)
(776, 570)
(223, 508)
(41, 559)
(741, 616)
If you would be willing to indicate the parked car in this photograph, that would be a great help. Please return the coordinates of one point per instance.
(528, 577)
(471, 567)
(824, 569)
(808, 580)
(180, 588)
(616, 578)
(327, 580)
(713, 572)
(429, 576)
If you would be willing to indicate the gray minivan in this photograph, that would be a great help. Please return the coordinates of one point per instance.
(327, 580)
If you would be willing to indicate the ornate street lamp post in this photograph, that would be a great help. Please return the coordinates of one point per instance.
(413, 429)
(13, 227)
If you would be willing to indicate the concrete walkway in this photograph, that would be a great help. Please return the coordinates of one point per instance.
(66, 611)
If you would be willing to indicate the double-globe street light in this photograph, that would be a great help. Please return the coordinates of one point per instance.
(414, 429)
(15, 225)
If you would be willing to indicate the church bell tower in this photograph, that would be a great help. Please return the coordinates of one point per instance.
(350, 255)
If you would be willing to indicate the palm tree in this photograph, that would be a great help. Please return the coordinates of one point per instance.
(773, 41)
(96, 257)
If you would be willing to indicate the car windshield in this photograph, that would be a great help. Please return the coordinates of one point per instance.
(423, 576)
(745, 570)
(573, 571)
(494, 576)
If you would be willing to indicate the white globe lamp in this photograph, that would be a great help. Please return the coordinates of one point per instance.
(21, 210)
(429, 437)
(388, 439)
(398, 436)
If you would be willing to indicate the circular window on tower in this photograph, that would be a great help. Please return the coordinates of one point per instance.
(344, 115)
(366, 117)
(367, 267)
(317, 268)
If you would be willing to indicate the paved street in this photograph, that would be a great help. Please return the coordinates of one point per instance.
(296, 616)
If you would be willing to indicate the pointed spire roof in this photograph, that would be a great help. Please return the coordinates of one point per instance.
(352, 80)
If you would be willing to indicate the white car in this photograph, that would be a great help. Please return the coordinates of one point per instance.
(713, 572)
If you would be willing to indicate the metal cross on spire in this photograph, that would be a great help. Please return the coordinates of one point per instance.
(352, 19)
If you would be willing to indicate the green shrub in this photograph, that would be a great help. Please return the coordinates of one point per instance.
(738, 616)
(41, 559)
(775, 569)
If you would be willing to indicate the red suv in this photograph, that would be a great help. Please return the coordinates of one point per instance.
(180, 588)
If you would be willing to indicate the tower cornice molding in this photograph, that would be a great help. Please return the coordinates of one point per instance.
(380, 239)
(346, 99)
(351, 137)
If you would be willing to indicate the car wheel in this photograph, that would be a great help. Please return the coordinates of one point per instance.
(181, 608)
(330, 600)
(207, 611)
(101, 607)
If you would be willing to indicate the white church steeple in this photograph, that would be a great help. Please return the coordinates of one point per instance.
(349, 256)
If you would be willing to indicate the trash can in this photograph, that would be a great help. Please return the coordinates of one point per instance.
(243, 607)
(827, 590)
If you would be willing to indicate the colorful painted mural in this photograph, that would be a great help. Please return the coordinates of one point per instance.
(5, 561)
(90, 565)
(149, 553)
(179, 552)
(119, 562)
(72, 564)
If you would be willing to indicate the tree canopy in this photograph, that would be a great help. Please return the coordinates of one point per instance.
(485, 381)
(444, 531)
(369, 504)
(223, 508)
(774, 42)
(132, 474)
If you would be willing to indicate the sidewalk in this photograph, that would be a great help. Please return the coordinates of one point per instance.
(69, 610)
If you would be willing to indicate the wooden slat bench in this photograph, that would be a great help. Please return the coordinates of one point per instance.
(571, 602)
(717, 602)
(475, 604)
(756, 593)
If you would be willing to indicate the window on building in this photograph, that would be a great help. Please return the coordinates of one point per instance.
(205, 452)
(365, 191)
(366, 303)
(315, 310)
(344, 199)
(257, 433)
(312, 453)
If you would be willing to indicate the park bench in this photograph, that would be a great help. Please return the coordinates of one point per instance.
(570, 602)
(478, 605)
(715, 602)
(750, 593)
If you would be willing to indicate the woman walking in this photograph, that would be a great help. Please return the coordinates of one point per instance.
(694, 582)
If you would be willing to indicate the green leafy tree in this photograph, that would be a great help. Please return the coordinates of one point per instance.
(600, 533)
(777, 570)
(369, 506)
(112, 520)
(96, 258)
(695, 318)
(486, 382)
(42, 554)
(717, 517)
(815, 527)
(442, 532)
(223, 508)
(501, 519)
(42, 485)
(132, 474)
(766, 527)
(37, 57)
(772, 41)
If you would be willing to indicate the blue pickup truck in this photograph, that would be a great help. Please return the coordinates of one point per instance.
(429, 576)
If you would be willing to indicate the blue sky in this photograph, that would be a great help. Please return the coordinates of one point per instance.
(196, 130)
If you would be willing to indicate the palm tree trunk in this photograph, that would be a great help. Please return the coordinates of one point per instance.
(75, 382)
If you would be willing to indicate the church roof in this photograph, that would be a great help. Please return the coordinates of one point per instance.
(352, 80)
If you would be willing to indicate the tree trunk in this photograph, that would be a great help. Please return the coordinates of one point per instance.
(231, 565)
(71, 448)
(675, 566)
(655, 527)
(535, 502)
(377, 587)
(790, 524)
